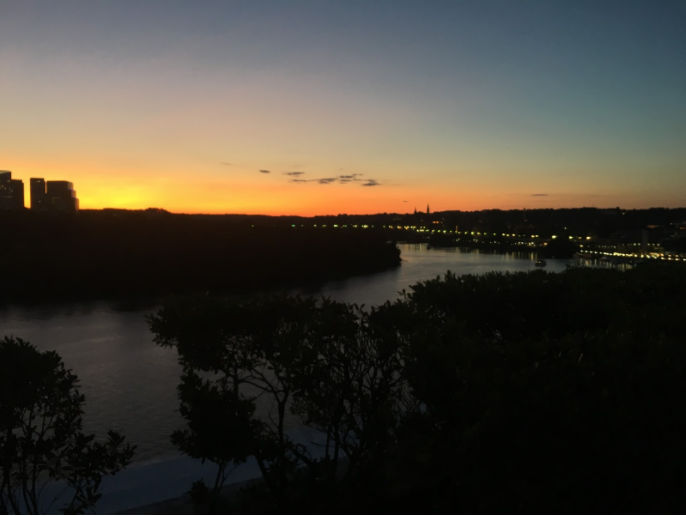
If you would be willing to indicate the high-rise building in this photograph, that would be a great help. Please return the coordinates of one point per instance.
(53, 195)
(60, 196)
(39, 198)
(11, 192)
(17, 186)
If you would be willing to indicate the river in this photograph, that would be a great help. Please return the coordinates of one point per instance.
(129, 382)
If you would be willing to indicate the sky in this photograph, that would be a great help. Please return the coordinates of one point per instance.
(294, 107)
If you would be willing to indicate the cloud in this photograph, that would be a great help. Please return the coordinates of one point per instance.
(404, 201)
(294, 173)
(339, 179)
(539, 195)
(225, 163)
(265, 171)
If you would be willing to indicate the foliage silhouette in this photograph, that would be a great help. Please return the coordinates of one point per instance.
(41, 440)
(325, 363)
(528, 392)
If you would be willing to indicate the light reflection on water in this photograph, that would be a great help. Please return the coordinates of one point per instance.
(130, 383)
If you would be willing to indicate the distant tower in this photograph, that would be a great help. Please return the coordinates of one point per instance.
(427, 208)
(38, 196)
(415, 211)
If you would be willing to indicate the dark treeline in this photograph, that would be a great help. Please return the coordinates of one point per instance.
(114, 253)
(111, 253)
(596, 222)
(502, 393)
(494, 230)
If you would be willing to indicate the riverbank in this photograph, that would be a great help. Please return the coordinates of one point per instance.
(113, 255)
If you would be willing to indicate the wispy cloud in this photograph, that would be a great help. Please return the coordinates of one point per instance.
(539, 195)
(344, 179)
(225, 163)
(265, 171)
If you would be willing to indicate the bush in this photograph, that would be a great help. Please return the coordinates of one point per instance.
(41, 440)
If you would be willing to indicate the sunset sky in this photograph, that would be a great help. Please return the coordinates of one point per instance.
(211, 106)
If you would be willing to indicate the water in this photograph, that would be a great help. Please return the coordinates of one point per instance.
(420, 263)
(129, 382)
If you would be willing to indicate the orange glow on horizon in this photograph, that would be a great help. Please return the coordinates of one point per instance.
(177, 191)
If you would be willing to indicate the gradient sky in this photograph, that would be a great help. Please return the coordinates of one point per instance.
(463, 104)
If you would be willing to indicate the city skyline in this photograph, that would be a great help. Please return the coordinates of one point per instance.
(52, 195)
(303, 108)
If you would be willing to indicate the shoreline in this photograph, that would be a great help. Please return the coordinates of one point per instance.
(143, 489)
(183, 504)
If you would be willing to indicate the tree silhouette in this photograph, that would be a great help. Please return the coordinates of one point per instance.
(41, 440)
(324, 362)
(529, 392)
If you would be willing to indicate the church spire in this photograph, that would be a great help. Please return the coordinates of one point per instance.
(427, 208)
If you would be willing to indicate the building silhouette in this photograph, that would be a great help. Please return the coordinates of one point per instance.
(39, 197)
(53, 195)
(11, 192)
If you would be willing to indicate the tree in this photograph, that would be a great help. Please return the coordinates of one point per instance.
(323, 362)
(41, 437)
(233, 354)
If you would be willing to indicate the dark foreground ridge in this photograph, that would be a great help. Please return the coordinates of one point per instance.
(116, 253)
